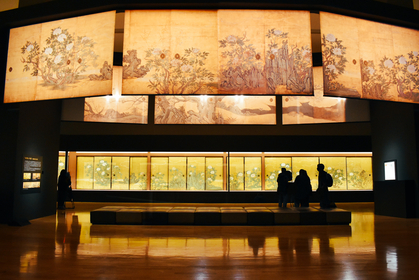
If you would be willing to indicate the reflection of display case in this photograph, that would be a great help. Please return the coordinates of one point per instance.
(214, 171)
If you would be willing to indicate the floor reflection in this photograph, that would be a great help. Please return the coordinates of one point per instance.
(68, 231)
(68, 246)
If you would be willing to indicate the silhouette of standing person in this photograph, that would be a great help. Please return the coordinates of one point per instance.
(283, 178)
(64, 182)
(325, 181)
(302, 190)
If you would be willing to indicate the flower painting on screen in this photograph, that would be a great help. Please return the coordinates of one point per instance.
(61, 59)
(217, 52)
(370, 60)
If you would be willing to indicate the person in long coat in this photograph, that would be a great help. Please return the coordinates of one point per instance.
(302, 189)
(283, 178)
(64, 183)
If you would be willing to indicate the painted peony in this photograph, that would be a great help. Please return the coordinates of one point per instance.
(388, 63)
(29, 48)
(411, 68)
(62, 37)
(277, 32)
(337, 51)
(331, 68)
(57, 31)
(57, 59)
(231, 39)
(330, 38)
(186, 68)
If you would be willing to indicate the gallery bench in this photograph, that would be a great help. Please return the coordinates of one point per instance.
(132, 215)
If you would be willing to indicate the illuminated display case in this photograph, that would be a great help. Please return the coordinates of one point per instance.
(213, 171)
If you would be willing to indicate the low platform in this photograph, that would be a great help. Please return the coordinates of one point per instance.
(132, 215)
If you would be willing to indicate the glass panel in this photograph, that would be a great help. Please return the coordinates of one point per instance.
(236, 173)
(85, 173)
(336, 167)
(138, 175)
(196, 173)
(159, 173)
(120, 173)
(309, 164)
(102, 173)
(177, 171)
(253, 173)
(273, 167)
(61, 164)
(214, 173)
(359, 173)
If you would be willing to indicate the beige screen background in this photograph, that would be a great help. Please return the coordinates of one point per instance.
(63, 59)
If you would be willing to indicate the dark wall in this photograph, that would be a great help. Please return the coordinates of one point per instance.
(393, 136)
(37, 135)
(9, 118)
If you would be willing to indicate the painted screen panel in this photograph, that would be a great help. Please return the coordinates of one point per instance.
(214, 173)
(85, 171)
(313, 109)
(359, 173)
(177, 173)
(215, 110)
(170, 52)
(273, 167)
(236, 173)
(336, 167)
(159, 173)
(61, 59)
(253, 169)
(120, 173)
(102, 173)
(218, 51)
(369, 60)
(120, 109)
(196, 173)
(138, 173)
(264, 52)
(309, 164)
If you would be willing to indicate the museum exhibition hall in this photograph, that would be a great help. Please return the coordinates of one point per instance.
(174, 120)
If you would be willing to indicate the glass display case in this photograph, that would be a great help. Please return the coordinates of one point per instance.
(197, 172)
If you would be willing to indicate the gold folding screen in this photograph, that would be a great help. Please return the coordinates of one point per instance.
(217, 52)
(371, 60)
(61, 59)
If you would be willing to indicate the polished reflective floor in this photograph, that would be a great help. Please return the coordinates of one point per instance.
(67, 246)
